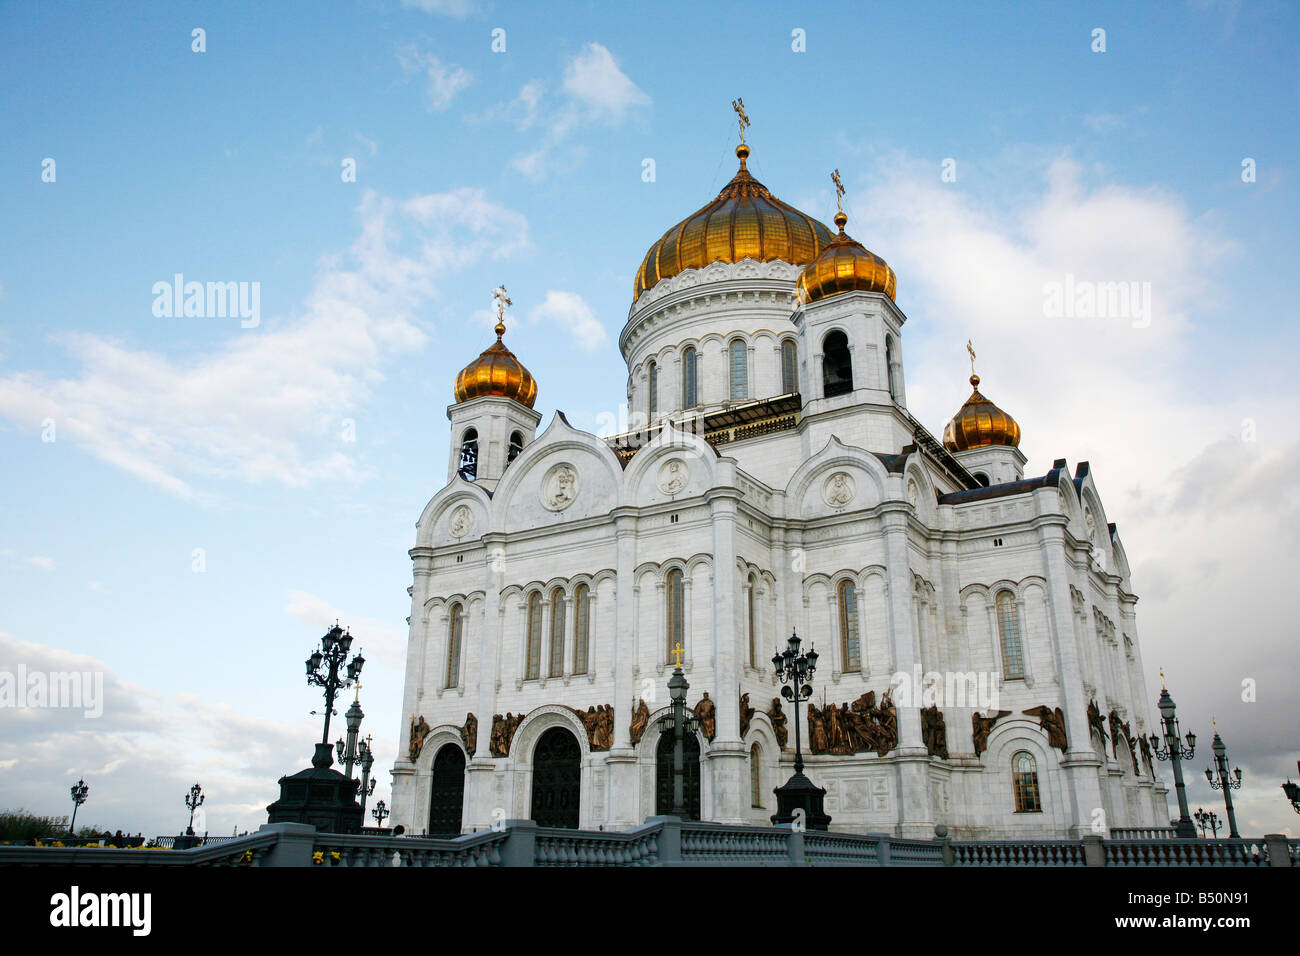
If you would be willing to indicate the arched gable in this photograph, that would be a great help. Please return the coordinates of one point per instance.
(434, 526)
(816, 489)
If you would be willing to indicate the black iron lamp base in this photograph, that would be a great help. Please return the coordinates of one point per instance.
(800, 793)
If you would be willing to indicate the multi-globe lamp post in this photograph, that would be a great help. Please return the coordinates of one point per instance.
(1292, 791)
(794, 671)
(1220, 779)
(193, 800)
(79, 793)
(1207, 820)
(323, 670)
(380, 813)
(1174, 751)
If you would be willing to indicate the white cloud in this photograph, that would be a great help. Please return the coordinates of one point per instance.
(379, 639)
(266, 404)
(594, 80)
(98, 587)
(45, 563)
(571, 313)
(448, 8)
(443, 80)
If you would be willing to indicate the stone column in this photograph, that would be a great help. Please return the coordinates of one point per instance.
(1080, 763)
(623, 793)
(915, 815)
(727, 756)
(479, 772)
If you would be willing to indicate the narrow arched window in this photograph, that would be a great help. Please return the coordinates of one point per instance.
(891, 367)
(1013, 656)
(468, 468)
(789, 367)
(676, 598)
(850, 650)
(1024, 781)
(837, 365)
(739, 371)
(690, 370)
(533, 666)
(557, 633)
(455, 628)
(516, 446)
(652, 385)
(753, 635)
(581, 627)
(756, 777)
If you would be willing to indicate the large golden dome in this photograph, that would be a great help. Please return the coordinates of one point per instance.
(497, 372)
(979, 422)
(745, 222)
(843, 266)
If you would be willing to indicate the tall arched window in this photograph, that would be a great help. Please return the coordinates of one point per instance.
(557, 633)
(676, 598)
(516, 446)
(837, 365)
(756, 777)
(850, 650)
(1024, 781)
(1013, 656)
(468, 468)
(533, 666)
(652, 385)
(891, 367)
(789, 367)
(739, 370)
(581, 627)
(455, 628)
(690, 374)
(753, 631)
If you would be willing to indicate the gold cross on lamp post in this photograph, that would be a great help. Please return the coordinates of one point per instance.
(677, 653)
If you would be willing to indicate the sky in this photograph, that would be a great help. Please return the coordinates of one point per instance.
(191, 501)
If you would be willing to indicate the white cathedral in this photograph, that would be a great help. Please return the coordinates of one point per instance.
(979, 660)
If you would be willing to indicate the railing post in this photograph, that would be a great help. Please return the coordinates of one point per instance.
(1094, 851)
(670, 840)
(293, 846)
(882, 851)
(1279, 850)
(946, 852)
(795, 847)
(520, 845)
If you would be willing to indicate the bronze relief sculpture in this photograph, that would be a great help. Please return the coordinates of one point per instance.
(1096, 720)
(706, 713)
(746, 714)
(503, 732)
(933, 731)
(854, 728)
(469, 734)
(981, 727)
(1053, 723)
(640, 721)
(419, 731)
(599, 724)
(778, 718)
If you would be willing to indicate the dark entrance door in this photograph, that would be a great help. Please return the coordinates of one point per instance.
(690, 775)
(557, 779)
(446, 804)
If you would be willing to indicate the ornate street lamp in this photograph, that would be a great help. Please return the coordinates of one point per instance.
(194, 799)
(680, 722)
(1292, 791)
(323, 670)
(1175, 753)
(795, 670)
(379, 813)
(1220, 779)
(367, 761)
(1207, 821)
(79, 793)
(348, 753)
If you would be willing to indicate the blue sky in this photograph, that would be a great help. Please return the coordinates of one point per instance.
(525, 167)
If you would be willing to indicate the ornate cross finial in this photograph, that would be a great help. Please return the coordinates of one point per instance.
(499, 294)
(839, 191)
(357, 695)
(971, 349)
(738, 105)
(677, 653)
(1162, 679)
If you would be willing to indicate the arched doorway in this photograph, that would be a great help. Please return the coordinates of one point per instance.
(447, 799)
(557, 779)
(690, 775)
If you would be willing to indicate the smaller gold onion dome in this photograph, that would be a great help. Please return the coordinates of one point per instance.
(979, 422)
(845, 266)
(497, 372)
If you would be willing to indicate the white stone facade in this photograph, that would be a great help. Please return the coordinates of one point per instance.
(840, 489)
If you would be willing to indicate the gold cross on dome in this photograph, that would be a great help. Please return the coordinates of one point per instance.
(738, 105)
(971, 349)
(500, 295)
(839, 191)
(677, 653)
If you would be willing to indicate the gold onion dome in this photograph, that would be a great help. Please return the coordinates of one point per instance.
(745, 222)
(979, 422)
(497, 372)
(845, 266)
